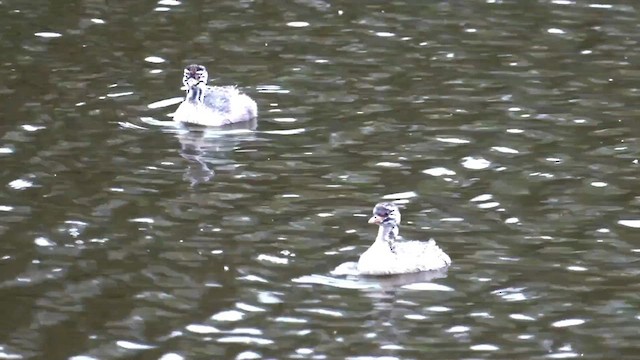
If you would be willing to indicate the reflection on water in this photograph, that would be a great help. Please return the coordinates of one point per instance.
(200, 144)
(346, 276)
(507, 130)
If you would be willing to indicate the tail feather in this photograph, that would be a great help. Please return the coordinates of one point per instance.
(432, 243)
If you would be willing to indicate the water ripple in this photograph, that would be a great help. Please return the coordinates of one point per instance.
(508, 139)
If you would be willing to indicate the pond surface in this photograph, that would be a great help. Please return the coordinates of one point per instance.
(506, 130)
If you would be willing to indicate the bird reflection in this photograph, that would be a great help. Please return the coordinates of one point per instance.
(386, 308)
(198, 144)
(385, 294)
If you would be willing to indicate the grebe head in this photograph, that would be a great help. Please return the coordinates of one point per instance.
(195, 74)
(385, 214)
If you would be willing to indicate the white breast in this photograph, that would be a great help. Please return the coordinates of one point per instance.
(196, 113)
(409, 256)
(221, 106)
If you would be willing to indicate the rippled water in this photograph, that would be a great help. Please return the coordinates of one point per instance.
(506, 130)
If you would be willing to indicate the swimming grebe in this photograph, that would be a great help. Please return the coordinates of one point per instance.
(387, 256)
(212, 105)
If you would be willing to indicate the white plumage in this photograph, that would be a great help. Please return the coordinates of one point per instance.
(212, 105)
(410, 256)
(387, 256)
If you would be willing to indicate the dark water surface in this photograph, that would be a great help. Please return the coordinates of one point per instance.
(507, 130)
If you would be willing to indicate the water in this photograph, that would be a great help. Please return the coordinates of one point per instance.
(507, 131)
